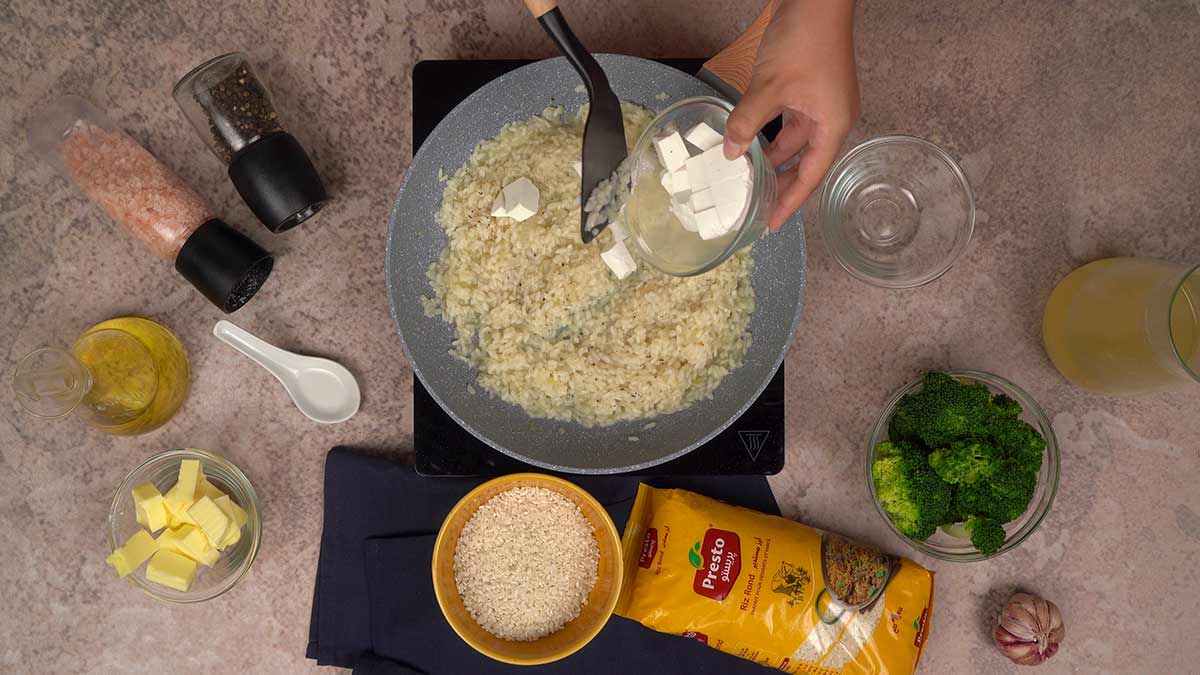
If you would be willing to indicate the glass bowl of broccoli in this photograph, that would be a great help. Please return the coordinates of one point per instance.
(962, 464)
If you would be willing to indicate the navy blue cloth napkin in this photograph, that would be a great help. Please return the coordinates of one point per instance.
(374, 608)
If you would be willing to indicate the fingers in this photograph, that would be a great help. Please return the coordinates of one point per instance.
(791, 140)
(796, 186)
(760, 105)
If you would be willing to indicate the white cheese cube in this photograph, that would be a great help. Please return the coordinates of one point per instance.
(697, 173)
(684, 214)
(578, 166)
(676, 184)
(730, 199)
(703, 136)
(521, 199)
(618, 231)
(718, 169)
(672, 153)
(498, 210)
(701, 200)
(708, 224)
(619, 260)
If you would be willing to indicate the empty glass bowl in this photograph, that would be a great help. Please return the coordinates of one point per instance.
(662, 242)
(946, 546)
(897, 211)
(163, 470)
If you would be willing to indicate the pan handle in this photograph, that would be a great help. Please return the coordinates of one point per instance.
(734, 63)
(539, 7)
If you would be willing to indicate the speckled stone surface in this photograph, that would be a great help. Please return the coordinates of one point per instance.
(1076, 121)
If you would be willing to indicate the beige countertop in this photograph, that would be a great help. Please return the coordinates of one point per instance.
(1077, 123)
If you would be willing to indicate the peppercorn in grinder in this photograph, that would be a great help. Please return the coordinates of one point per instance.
(231, 109)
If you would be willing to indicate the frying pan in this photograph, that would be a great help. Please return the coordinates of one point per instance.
(415, 241)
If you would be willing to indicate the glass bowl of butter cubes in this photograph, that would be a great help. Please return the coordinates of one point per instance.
(690, 208)
(184, 526)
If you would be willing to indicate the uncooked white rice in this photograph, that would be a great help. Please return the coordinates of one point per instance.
(525, 563)
(540, 317)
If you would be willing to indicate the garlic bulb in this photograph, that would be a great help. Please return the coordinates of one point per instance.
(1030, 629)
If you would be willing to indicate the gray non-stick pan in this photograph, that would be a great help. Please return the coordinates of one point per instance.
(415, 241)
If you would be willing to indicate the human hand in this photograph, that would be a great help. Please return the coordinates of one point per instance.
(805, 71)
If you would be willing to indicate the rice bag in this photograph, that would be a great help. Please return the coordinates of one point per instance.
(771, 590)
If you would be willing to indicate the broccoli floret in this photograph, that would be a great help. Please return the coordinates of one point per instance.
(965, 461)
(943, 411)
(1004, 406)
(987, 534)
(915, 499)
(1019, 441)
(1003, 496)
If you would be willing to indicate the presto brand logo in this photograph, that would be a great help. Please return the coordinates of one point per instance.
(718, 562)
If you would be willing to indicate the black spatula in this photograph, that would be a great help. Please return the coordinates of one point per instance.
(604, 132)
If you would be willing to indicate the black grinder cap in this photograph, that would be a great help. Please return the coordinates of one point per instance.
(224, 264)
(278, 181)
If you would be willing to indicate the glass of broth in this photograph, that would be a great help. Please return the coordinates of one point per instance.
(1126, 326)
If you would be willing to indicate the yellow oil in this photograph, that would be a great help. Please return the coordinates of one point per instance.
(139, 373)
(1106, 325)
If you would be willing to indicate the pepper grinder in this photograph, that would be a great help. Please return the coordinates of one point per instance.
(230, 107)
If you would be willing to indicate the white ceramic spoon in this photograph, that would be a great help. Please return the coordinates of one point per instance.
(322, 389)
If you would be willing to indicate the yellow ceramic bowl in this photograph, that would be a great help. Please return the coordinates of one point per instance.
(571, 637)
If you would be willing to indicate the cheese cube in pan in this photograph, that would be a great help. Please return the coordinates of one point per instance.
(521, 199)
(498, 210)
(703, 136)
(578, 166)
(672, 153)
(619, 260)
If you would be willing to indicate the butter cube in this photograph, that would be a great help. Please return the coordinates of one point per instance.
(207, 489)
(236, 513)
(130, 555)
(172, 570)
(191, 541)
(578, 166)
(521, 199)
(149, 506)
(177, 509)
(211, 519)
(498, 210)
(189, 478)
(672, 153)
(703, 136)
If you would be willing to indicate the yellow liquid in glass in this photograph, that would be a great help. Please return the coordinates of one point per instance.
(1106, 326)
(140, 374)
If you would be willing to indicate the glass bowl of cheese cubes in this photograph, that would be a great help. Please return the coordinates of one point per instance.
(690, 208)
(184, 526)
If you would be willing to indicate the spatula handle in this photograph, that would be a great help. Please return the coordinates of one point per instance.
(735, 63)
(539, 7)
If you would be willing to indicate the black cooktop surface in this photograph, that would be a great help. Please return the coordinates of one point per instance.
(751, 445)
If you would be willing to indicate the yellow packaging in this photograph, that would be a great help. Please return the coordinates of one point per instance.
(771, 590)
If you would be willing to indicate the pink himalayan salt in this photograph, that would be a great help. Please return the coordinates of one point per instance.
(133, 187)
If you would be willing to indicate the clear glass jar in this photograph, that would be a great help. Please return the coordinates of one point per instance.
(655, 235)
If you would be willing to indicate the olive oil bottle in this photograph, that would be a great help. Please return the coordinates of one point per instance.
(125, 376)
